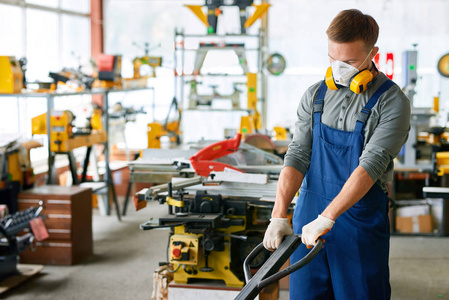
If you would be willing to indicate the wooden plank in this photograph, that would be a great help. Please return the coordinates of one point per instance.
(25, 272)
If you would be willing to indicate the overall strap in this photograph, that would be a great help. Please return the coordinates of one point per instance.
(365, 112)
(319, 103)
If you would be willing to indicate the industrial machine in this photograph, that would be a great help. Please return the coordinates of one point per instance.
(16, 172)
(170, 128)
(11, 76)
(64, 136)
(152, 61)
(215, 218)
(214, 11)
(109, 71)
(12, 241)
(195, 99)
(78, 80)
(211, 233)
(417, 152)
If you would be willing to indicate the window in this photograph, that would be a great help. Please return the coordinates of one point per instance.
(51, 34)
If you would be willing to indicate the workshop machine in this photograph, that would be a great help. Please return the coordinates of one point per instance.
(11, 76)
(109, 71)
(17, 232)
(150, 61)
(214, 11)
(170, 128)
(213, 226)
(196, 99)
(64, 136)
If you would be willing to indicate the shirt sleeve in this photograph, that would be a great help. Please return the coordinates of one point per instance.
(299, 151)
(390, 134)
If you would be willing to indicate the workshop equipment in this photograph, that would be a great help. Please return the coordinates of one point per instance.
(11, 76)
(171, 128)
(267, 275)
(214, 11)
(203, 162)
(415, 153)
(212, 232)
(276, 64)
(152, 61)
(11, 243)
(196, 99)
(443, 65)
(210, 235)
(64, 135)
(110, 70)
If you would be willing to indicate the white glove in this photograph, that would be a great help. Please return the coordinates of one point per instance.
(278, 228)
(312, 231)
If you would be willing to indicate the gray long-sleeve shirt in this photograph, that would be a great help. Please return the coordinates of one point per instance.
(386, 129)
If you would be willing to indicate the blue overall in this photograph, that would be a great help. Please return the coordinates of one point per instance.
(354, 261)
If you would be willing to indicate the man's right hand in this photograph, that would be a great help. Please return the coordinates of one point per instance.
(278, 228)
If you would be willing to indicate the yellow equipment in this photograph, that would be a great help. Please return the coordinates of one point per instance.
(171, 129)
(213, 11)
(11, 76)
(246, 125)
(211, 235)
(359, 83)
(152, 61)
(252, 99)
(187, 249)
(62, 136)
(443, 65)
(157, 130)
(280, 133)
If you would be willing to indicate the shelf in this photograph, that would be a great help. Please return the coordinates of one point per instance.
(91, 92)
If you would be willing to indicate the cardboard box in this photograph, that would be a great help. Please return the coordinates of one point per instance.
(414, 224)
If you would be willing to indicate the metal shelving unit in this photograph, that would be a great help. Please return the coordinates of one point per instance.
(51, 179)
(181, 78)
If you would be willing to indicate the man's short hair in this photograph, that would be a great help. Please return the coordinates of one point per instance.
(352, 25)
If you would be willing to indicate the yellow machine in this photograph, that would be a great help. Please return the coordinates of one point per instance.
(152, 61)
(211, 236)
(157, 130)
(11, 76)
(16, 165)
(213, 11)
(62, 135)
(280, 133)
(171, 128)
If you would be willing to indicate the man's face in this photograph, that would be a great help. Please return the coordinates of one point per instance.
(352, 53)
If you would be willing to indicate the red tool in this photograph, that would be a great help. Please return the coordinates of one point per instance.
(202, 162)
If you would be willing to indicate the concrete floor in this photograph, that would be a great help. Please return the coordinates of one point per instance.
(125, 257)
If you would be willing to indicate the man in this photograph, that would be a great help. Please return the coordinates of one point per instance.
(349, 129)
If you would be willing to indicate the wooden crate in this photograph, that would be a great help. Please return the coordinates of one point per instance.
(67, 215)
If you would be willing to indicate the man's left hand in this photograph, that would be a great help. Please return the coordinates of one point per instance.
(312, 231)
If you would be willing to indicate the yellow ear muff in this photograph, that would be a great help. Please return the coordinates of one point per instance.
(330, 80)
(360, 82)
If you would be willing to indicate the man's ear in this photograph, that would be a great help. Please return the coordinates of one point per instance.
(375, 51)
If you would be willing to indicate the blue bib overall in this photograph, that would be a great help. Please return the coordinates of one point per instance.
(354, 261)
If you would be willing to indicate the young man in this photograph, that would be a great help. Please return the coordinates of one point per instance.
(349, 129)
